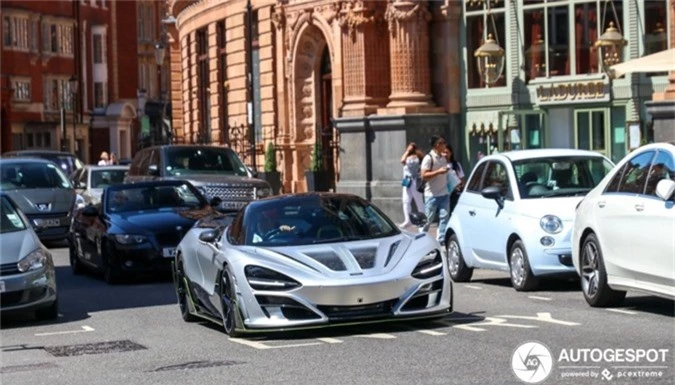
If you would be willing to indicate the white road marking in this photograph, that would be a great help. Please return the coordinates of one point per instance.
(539, 298)
(379, 336)
(473, 287)
(491, 321)
(623, 311)
(542, 317)
(263, 346)
(330, 340)
(84, 330)
(432, 332)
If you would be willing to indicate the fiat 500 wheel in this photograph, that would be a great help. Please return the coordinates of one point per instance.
(522, 278)
(459, 272)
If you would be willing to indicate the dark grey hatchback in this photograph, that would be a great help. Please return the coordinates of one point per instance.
(42, 192)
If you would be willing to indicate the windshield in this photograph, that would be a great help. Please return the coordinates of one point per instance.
(105, 178)
(190, 161)
(312, 220)
(32, 175)
(10, 220)
(144, 198)
(559, 176)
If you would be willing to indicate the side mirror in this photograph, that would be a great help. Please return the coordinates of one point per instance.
(418, 219)
(665, 189)
(153, 170)
(90, 211)
(208, 236)
(253, 172)
(215, 201)
(494, 192)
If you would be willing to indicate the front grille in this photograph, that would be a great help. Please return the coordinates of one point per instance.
(48, 216)
(379, 309)
(169, 239)
(12, 298)
(9, 269)
(226, 192)
(290, 308)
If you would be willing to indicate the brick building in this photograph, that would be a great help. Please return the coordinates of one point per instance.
(107, 46)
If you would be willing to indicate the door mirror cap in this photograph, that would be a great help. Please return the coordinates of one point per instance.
(208, 236)
(494, 192)
(665, 189)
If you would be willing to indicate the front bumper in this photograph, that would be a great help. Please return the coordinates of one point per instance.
(143, 258)
(27, 291)
(551, 260)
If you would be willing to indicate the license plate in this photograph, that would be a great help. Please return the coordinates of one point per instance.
(52, 222)
(2, 286)
(169, 252)
(232, 205)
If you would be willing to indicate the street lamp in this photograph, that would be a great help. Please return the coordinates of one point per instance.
(73, 104)
(490, 56)
(610, 43)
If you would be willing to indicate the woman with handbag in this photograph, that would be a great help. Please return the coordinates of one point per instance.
(455, 177)
(410, 160)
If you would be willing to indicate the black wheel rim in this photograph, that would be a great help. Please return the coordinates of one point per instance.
(227, 299)
(589, 269)
(181, 291)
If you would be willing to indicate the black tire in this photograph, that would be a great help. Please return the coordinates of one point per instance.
(75, 264)
(181, 284)
(522, 278)
(459, 271)
(594, 276)
(228, 300)
(48, 313)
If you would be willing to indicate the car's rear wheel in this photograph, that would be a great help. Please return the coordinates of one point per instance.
(594, 276)
(75, 264)
(522, 277)
(48, 313)
(182, 292)
(459, 272)
(228, 299)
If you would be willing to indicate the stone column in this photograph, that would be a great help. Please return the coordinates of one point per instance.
(365, 49)
(662, 106)
(409, 50)
(175, 91)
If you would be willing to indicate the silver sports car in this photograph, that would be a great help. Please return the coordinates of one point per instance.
(308, 260)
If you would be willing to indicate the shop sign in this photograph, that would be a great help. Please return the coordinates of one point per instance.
(573, 92)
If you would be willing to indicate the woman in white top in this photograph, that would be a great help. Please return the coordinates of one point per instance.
(105, 160)
(410, 160)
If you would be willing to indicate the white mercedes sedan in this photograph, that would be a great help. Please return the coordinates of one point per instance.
(624, 230)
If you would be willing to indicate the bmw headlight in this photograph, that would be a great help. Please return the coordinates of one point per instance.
(261, 278)
(263, 192)
(130, 239)
(33, 261)
(551, 224)
(430, 265)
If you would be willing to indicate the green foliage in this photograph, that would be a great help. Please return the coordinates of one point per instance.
(317, 158)
(270, 158)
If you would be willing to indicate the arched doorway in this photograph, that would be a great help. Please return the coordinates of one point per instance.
(325, 129)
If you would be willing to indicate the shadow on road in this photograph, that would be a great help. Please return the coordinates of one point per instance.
(554, 284)
(650, 304)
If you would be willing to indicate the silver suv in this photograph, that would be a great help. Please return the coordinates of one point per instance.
(216, 171)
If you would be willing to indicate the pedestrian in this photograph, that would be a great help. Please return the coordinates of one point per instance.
(104, 159)
(455, 177)
(436, 198)
(411, 159)
(113, 159)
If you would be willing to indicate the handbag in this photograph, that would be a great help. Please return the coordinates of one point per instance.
(421, 183)
(406, 181)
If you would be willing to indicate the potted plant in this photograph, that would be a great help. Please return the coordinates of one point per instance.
(271, 175)
(317, 177)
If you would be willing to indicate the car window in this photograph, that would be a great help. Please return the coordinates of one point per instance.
(613, 185)
(140, 163)
(10, 219)
(154, 158)
(84, 177)
(203, 160)
(474, 182)
(235, 233)
(663, 167)
(635, 176)
(144, 198)
(496, 175)
(106, 177)
(33, 175)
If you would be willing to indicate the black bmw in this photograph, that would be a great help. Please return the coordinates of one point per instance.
(135, 228)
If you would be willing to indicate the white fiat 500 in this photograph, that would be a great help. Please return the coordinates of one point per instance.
(516, 213)
(624, 230)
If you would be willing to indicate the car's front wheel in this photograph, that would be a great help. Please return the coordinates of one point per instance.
(594, 276)
(182, 291)
(459, 272)
(228, 300)
(522, 277)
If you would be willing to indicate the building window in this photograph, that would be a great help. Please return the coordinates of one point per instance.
(98, 48)
(57, 94)
(141, 21)
(592, 130)
(222, 79)
(100, 95)
(656, 26)
(479, 25)
(19, 32)
(21, 90)
(203, 91)
(57, 38)
(547, 41)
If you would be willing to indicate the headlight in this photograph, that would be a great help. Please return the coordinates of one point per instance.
(430, 265)
(79, 202)
(33, 261)
(263, 192)
(261, 278)
(129, 239)
(551, 224)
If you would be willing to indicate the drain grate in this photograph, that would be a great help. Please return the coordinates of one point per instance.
(94, 348)
(196, 365)
(27, 367)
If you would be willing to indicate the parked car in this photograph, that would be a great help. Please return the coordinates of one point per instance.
(43, 193)
(625, 228)
(516, 213)
(308, 260)
(135, 228)
(27, 278)
(215, 171)
(68, 162)
(90, 181)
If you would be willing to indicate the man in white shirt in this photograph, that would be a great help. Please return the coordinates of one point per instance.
(104, 159)
(436, 198)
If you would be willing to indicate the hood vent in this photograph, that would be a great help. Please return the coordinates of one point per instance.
(328, 259)
(365, 257)
(392, 251)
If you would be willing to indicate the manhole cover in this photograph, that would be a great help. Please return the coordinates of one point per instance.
(94, 348)
(196, 365)
(27, 367)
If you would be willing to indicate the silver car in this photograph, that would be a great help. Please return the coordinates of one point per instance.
(90, 181)
(308, 260)
(27, 278)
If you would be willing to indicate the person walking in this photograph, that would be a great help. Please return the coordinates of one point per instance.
(104, 159)
(436, 198)
(455, 177)
(113, 159)
(411, 160)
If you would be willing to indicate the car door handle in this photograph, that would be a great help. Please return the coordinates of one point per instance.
(639, 207)
(601, 204)
(472, 213)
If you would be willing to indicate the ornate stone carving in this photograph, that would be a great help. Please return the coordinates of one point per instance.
(394, 15)
(354, 14)
(329, 11)
(308, 112)
(279, 17)
(307, 90)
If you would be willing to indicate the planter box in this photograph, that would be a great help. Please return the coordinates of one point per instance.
(274, 179)
(318, 180)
